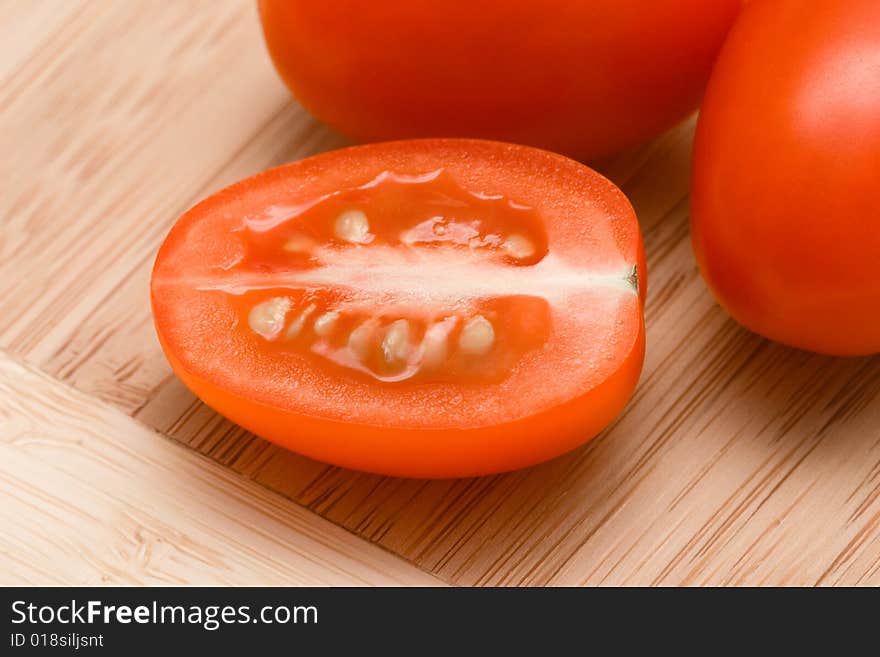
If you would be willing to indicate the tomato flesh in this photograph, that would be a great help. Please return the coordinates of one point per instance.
(424, 308)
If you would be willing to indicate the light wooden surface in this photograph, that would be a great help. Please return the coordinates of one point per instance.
(92, 497)
(737, 462)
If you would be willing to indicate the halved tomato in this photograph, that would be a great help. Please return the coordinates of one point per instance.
(428, 308)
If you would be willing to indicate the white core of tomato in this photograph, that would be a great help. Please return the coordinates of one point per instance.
(267, 318)
(352, 226)
(430, 279)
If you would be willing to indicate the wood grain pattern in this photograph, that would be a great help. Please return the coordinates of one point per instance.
(738, 461)
(91, 497)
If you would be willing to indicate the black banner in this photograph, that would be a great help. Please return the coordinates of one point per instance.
(415, 620)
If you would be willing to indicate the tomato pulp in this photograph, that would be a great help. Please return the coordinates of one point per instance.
(583, 78)
(429, 308)
(785, 204)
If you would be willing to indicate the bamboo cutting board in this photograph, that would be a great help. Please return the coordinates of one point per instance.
(738, 461)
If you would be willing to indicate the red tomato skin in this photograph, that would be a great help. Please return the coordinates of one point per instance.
(786, 175)
(581, 78)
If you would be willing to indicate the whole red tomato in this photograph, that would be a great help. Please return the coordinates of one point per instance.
(584, 78)
(786, 183)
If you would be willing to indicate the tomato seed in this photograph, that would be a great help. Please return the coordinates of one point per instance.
(300, 245)
(353, 226)
(325, 324)
(477, 336)
(435, 343)
(395, 345)
(360, 340)
(518, 247)
(296, 326)
(267, 318)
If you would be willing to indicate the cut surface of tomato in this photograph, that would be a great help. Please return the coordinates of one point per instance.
(428, 308)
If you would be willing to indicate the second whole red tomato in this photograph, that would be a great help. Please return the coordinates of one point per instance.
(582, 78)
(785, 205)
